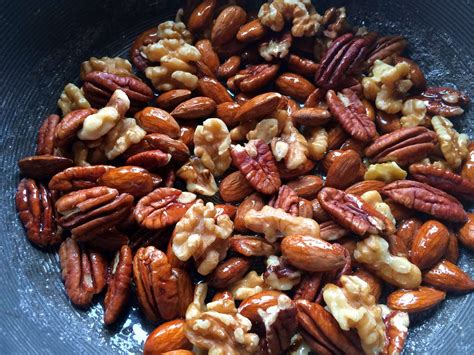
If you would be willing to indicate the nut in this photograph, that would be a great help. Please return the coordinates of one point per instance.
(344, 171)
(176, 148)
(213, 89)
(167, 338)
(414, 112)
(251, 246)
(249, 285)
(311, 116)
(128, 179)
(78, 177)
(197, 107)
(227, 25)
(234, 187)
(453, 145)
(68, 127)
(253, 201)
(251, 31)
(198, 179)
(364, 186)
(45, 140)
(417, 300)
(448, 277)
(155, 120)
(444, 101)
(72, 98)
(302, 65)
(228, 272)
(229, 68)
(291, 146)
(255, 77)
(386, 172)
(429, 244)
(170, 99)
(208, 55)
(201, 15)
(318, 141)
(466, 232)
(121, 137)
(306, 186)
(115, 65)
(294, 85)
(386, 48)
(258, 107)
(150, 160)
(43, 166)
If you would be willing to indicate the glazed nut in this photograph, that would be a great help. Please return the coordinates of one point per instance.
(201, 16)
(197, 107)
(453, 145)
(466, 232)
(306, 186)
(258, 107)
(276, 46)
(234, 187)
(78, 177)
(294, 85)
(311, 116)
(209, 57)
(227, 24)
(150, 160)
(114, 65)
(444, 101)
(364, 186)
(45, 139)
(43, 166)
(251, 31)
(253, 201)
(228, 272)
(251, 246)
(301, 65)
(68, 127)
(255, 77)
(170, 99)
(229, 68)
(198, 179)
(72, 98)
(417, 300)
(448, 277)
(213, 89)
(429, 244)
(167, 337)
(344, 170)
(227, 111)
(155, 120)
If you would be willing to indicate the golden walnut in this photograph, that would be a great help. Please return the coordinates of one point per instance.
(249, 285)
(212, 145)
(374, 199)
(374, 254)
(414, 113)
(302, 14)
(217, 327)
(115, 65)
(387, 172)
(174, 30)
(452, 144)
(292, 147)
(72, 98)
(122, 136)
(202, 236)
(265, 130)
(198, 179)
(317, 143)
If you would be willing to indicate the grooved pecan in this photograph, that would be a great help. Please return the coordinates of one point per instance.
(444, 180)
(118, 285)
(343, 57)
(43, 166)
(255, 77)
(404, 146)
(151, 159)
(67, 129)
(36, 212)
(84, 272)
(78, 177)
(99, 86)
(257, 164)
(162, 207)
(45, 140)
(427, 199)
(386, 48)
(351, 212)
(444, 101)
(176, 148)
(94, 209)
(164, 292)
(350, 112)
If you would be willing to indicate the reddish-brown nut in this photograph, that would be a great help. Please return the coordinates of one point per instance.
(386, 48)
(262, 300)
(227, 209)
(387, 122)
(162, 207)
(255, 161)
(302, 66)
(229, 68)
(168, 338)
(118, 285)
(150, 160)
(424, 198)
(375, 283)
(227, 24)
(309, 287)
(429, 244)
(78, 177)
(294, 85)
(362, 187)
(176, 148)
(148, 37)
(336, 137)
(36, 211)
(407, 229)
(251, 31)
(170, 99)
(227, 111)
(208, 55)
(416, 300)
(466, 232)
(128, 179)
(251, 246)
(43, 166)
(186, 135)
(311, 116)
(303, 169)
(155, 120)
(255, 77)
(234, 187)
(45, 139)
(444, 101)
(214, 90)
(306, 186)
(345, 170)
(197, 107)
(228, 272)
(258, 107)
(351, 212)
(448, 277)
(201, 16)
(452, 251)
(253, 201)
(83, 272)
(67, 128)
(330, 230)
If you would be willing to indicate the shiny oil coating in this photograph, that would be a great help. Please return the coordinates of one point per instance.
(42, 46)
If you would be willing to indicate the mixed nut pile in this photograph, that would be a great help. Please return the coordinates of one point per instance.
(340, 170)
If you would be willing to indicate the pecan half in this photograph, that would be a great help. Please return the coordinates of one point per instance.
(444, 101)
(45, 140)
(255, 77)
(91, 210)
(78, 177)
(351, 212)
(404, 146)
(256, 163)
(427, 199)
(67, 129)
(118, 285)
(43, 166)
(83, 272)
(162, 207)
(151, 159)
(386, 48)
(350, 112)
(36, 211)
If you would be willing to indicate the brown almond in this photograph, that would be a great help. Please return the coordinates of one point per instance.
(201, 16)
(262, 300)
(466, 233)
(226, 111)
(178, 149)
(417, 300)
(258, 107)
(313, 254)
(197, 107)
(168, 336)
(251, 246)
(407, 229)
(345, 170)
(251, 202)
(202, 70)
(213, 89)
(306, 186)
(311, 116)
(252, 31)
(208, 55)
(170, 99)
(452, 251)
(228, 272)
(429, 244)
(234, 187)
(229, 68)
(302, 66)
(294, 85)
(362, 187)
(43, 166)
(227, 25)
(448, 277)
(336, 136)
(156, 120)
(227, 209)
(397, 246)
(319, 215)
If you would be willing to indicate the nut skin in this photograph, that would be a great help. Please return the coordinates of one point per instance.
(201, 16)
(156, 120)
(306, 186)
(429, 244)
(446, 276)
(294, 85)
(169, 100)
(466, 232)
(251, 246)
(167, 337)
(208, 55)
(303, 66)
(265, 299)
(258, 107)
(128, 179)
(227, 24)
(452, 251)
(311, 116)
(251, 31)
(145, 38)
(78, 177)
(387, 122)
(416, 300)
(43, 166)
(312, 254)
(385, 48)
(255, 77)
(229, 68)
(150, 160)
(45, 139)
(345, 170)
(253, 201)
(444, 101)
(303, 169)
(336, 137)
(228, 272)
(227, 111)
(197, 107)
(214, 90)
(234, 187)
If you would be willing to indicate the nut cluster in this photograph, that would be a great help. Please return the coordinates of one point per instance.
(338, 167)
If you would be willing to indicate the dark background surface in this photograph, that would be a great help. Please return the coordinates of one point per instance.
(42, 46)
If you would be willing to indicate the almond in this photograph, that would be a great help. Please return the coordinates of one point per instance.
(407, 229)
(251, 202)
(178, 352)
(345, 170)
(170, 99)
(306, 186)
(197, 107)
(252, 31)
(362, 187)
(228, 272)
(229, 68)
(168, 336)
(313, 254)
(448, 277)
(226, 111)
(213, 89)
(294, 85)
(466, 233)
(301, 65)
(452, 251)
(258, 107)
(262, 300)
(208, 55)
(156, 120)
(201, 16)
(417, 300)
(429, 244)
(227, 25)
(311, 116)
(397, 246)
(234, 187)
(225, 208)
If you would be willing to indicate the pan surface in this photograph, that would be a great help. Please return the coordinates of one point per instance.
(42, 46)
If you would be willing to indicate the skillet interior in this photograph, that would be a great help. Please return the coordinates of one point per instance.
(44, 43)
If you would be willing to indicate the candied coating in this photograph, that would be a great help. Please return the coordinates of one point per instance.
(374, 254)
(212, 145)
(375, 200)
(201, 235)
(265, 130)
(388, 85)
(114, 65)
(121, 137)
(317, 143)
(275, 223)
(353, 306)
(414, 113)
(198, 179)
(387, 172)
(217, 327)
(249, 285)
(302, 14)
(453, 145)
(280, 275)
(72, 98)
